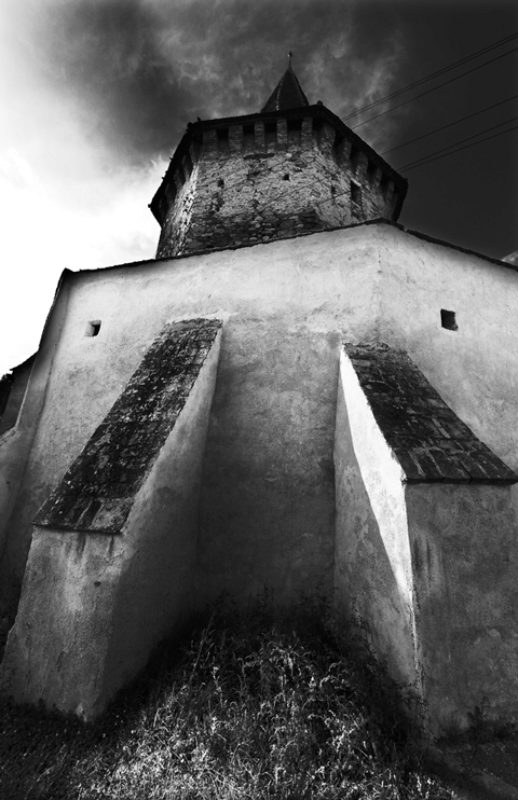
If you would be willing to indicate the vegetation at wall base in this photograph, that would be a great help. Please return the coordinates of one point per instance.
(245, 708)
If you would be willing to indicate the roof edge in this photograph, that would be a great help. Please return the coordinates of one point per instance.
(376, 221)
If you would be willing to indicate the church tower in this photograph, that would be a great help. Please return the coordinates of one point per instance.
(292, 168)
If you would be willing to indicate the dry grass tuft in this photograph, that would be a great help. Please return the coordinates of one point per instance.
(244, 709)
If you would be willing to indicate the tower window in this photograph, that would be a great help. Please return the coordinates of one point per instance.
(354, 156)
(317, 127)
(180, 176)
(371, 172)
(270, 133)
(356, 194)
(187, 164)
(294, 128)
(222, 136)
(448, 320)
(93, 327)
(248, 135)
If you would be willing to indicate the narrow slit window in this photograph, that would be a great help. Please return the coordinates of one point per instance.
(356, 194)
(354, 157)
(222, 136)
(270, 133)
(248, 136)
(448, 320)
(294, 128)
(180, 177)
(93, 327)
(187, 165)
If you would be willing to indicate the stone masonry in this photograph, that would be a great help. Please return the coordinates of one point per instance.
(429, 440)
(245, 180)
(98, 491)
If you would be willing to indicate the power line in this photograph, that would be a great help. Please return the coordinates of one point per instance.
(439, 86)
(435, 74)
(465, 139)
(449, 124)
(440, 154)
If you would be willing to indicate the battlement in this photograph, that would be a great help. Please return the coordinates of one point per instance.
(242, 180)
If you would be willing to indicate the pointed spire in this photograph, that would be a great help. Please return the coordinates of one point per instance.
(288, 92)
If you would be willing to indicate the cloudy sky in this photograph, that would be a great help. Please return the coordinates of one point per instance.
(96, 93)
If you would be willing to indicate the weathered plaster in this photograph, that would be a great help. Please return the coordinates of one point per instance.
(267, 494)
(18, 478)
(430, 442)
(267, 507)
(475, 368)
(98, 490)
(426, 559)
(373, 578)
(93, 606)
(465, 565)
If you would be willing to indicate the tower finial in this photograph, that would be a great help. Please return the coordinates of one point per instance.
(287, 93)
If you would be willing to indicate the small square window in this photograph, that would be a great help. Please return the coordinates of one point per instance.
(93, 327)
(448, 320)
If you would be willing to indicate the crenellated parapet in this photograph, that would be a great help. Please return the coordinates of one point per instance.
(244, 180)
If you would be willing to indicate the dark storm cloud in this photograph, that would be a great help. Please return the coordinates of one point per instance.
(141, 69)
(108, 56)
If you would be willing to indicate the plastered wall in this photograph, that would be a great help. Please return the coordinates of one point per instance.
(373, 577)
(427, 573)
(465, 564)
(267, 495)
(94, 605)
(475, 368)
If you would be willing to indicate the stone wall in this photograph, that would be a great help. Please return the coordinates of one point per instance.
(268, 179)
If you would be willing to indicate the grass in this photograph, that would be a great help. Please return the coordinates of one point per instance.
(244, 708)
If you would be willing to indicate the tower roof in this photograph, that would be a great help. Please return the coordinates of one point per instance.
(287, 94)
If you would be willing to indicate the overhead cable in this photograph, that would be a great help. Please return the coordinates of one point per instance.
(460, 62)
(448, 151)
(434, 88)
(449, 125)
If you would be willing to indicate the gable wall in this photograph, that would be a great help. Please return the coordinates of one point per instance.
(267, 514)
(475, 368)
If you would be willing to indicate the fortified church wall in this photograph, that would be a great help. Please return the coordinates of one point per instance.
(258, 409)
